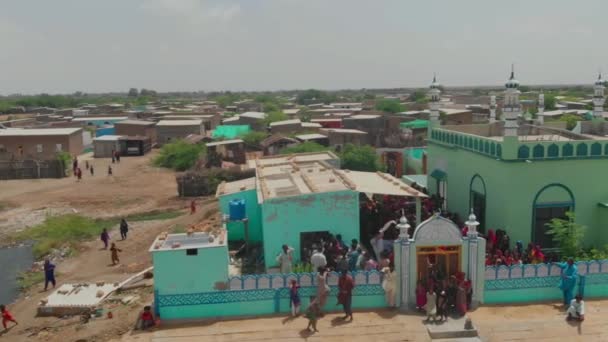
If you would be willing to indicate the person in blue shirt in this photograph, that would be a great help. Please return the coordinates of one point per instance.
(568, 280)
(49, 274)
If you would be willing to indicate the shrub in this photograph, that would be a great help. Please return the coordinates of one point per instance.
(179, 155)
(306, 147)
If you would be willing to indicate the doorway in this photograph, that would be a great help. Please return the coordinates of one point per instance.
(445, 261)
(478, 203)
(310, 240)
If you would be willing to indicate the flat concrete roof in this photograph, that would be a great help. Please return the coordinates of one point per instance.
(108, 138)
(291, 111)
(227, 188)
(255, 115)
(364, 117)
(311, 125)
(285, 122)
(136, 122)
(380, 183)
(300, 157)
(28, 132)
(97, 118)
(225, 142)
(198, 240)
(74, 295)
(344, 130)
(179, 123)
(311, 136)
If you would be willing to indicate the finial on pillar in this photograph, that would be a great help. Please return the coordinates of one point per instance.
(403, 226)
(472, 224)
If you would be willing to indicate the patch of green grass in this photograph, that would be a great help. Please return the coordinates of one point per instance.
(178, 229)
(26, 280)
(57, 231)
(155, 215)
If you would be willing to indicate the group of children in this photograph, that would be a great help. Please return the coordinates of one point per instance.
(441, 297)
(499, 252)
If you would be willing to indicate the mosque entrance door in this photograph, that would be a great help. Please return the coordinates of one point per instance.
(443, 261)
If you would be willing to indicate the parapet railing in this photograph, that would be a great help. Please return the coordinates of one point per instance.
(471, 142)
(279, 280)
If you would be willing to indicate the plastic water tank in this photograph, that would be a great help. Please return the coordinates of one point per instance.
(237, 209)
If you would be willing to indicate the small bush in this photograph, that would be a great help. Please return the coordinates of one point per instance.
(308, 146)
(179, 156)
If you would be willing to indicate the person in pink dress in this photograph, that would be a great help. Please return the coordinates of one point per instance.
(420, 295)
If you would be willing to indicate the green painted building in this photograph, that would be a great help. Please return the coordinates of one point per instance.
(518, 174)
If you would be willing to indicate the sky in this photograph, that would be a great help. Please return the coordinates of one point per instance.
(63, 46)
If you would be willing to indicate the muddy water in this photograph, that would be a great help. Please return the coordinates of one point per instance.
(13, 261)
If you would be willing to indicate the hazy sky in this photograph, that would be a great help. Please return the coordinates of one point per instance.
(110, 45)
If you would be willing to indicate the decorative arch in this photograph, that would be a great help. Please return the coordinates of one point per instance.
(477, 199)
(567, 150)
(492, 148)
(499, 150)
(553, 151)
(582, 149)
(596, 149)
(523, 152)
(554, 205)
(486, 147)
(437, 231)
(538, 151)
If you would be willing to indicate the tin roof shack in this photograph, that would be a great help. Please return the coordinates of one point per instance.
(40, 143)
(135, 145)
(186, 264)
(229, 150)
(255, 120)
(136, 128)
(314, 137)
(170, 130)
(338, 137)
(276, 142)
(372, 124)
(328, 123)
(210, 121)
(286, 126)
(451, 116)
(105, 146)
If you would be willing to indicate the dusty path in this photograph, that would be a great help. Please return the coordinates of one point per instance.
(93, 264)
(135, 187)
(540, 322)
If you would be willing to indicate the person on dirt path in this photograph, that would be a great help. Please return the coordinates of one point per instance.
(147, 318)
(192, 207)
(75, 165)
(6, 317)
(114, 252)
(92, 171)
(113, 157)
(79, 174)
(124, 229)
(117, 156)
(49, 274)
(109, 170)
(86, 164)
(105, 237)
(345, 293)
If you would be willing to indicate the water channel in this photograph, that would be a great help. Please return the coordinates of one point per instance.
(13, 261)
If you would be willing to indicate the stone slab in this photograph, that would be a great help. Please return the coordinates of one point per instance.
(452, 328)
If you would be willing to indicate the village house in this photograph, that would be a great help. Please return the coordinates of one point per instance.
(171, 130)
(338, 137)
(40, 143)
(136, 128)
(229, 150)
(276, 142)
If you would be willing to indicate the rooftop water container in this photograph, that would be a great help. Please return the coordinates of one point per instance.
(237, 209)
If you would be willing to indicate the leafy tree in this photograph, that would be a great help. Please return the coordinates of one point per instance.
(390, 106)
(310, 95)
(274, 117)
(549, 102)
(418, 96)
(567, 234)
(254, 138)
(570, 120)
(133, 92)
(147, 92)
(524, 89)
(179, 155)
(360, 158)
(305, 147)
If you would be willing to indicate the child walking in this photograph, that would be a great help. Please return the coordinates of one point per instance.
(431, 305)
(6, 317)
(114, 250)
(294, 298)
(312, 313)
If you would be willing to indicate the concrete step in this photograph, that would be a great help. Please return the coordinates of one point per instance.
(451, 329)
(458, 339)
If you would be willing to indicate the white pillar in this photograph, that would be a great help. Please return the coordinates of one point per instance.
(403, 243)
(473, 262)
(492, 109)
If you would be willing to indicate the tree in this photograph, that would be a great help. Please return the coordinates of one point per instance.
(305, 147)
(390, 106)
(567, 234)
(274, 117)
(570, 120)
(549, 102)
(179, 155)
(360, 158)
(254, 138)
(313, 95)
(133, 92)
(147, 92)
(418, 96)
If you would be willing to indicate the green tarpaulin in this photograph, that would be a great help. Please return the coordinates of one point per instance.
(418, 123)
(230, 132)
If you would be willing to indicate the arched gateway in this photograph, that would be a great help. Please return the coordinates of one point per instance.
(437, 243)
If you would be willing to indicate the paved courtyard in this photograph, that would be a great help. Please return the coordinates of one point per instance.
(541, 322)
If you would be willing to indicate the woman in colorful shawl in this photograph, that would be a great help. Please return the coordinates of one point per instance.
(461, 299)
(568, 279)
(420, 295)
(322, 287)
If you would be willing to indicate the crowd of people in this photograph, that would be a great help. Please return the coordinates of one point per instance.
(77, 170)
(499, 251)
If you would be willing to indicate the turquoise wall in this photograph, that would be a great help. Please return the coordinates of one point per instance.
(517, 183)
(236, 230)
(178, 273)
(283, 219)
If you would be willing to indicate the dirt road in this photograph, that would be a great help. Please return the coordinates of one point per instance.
(135, 187)
(93, 264)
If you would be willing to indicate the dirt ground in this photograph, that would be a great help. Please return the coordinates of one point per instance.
(135, 187)
(539, 322)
